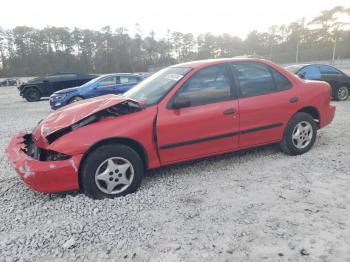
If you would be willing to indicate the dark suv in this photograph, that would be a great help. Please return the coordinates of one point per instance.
(339, 81)
(44, 86)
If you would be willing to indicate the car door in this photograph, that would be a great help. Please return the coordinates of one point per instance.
(105, 86)
(62, 81)
(49, 85)
(330, 75)
(267, 100)
(208, 126)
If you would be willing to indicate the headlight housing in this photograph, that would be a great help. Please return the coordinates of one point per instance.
(58, 97)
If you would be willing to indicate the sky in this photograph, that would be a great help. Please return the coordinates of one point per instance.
(186, 16)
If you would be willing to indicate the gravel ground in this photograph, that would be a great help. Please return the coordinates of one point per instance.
(254, 205)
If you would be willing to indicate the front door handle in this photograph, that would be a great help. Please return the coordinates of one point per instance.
(294, 99)
(229, 111)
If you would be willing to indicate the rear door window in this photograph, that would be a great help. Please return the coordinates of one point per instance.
(254, 78)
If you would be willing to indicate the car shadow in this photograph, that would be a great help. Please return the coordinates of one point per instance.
(242, 155)
(23, 101)
(184, 167)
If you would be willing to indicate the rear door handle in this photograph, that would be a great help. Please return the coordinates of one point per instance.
(229, 111)
(294, 99)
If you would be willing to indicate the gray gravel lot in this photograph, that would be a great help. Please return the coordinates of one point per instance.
(249, 206)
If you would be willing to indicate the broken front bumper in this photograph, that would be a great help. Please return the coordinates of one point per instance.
(43, 176)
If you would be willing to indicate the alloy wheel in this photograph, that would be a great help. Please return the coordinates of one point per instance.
(114, 175)
(302, 134)
(343, 93)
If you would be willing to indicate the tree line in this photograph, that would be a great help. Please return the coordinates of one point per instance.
(26, 51)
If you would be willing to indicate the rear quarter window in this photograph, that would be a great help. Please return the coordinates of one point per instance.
(328, 70)
(282, 82)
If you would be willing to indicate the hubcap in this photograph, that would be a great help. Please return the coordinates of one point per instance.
(302, 134)
(343, 93)
(114, 175)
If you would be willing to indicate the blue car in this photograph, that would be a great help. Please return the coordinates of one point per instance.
(102, 85)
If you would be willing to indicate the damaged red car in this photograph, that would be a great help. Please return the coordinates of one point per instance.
(103, 146)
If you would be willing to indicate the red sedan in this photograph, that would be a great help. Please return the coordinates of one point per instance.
(103, 146)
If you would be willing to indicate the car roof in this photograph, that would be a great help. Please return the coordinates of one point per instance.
(304, 65)
(202, 63)
(65, 73)
(300, 65)
(120, 74)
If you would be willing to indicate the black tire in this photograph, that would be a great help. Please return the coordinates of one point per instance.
(75, 99)
(288, 144)
(32, 94)
(96, 158)
(341, 93)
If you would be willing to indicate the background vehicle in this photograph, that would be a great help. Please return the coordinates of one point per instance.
(8, 82)
(339, 81)
(183, 112)
(103, 85)
(44, 86)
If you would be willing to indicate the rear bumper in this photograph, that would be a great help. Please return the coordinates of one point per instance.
(327, 115)
(43, 176)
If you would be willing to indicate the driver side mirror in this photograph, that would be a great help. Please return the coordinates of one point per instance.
(181, 102)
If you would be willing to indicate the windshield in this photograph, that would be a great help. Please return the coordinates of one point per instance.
(294, 68)
(154, 88)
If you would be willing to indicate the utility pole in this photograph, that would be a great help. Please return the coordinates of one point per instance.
(334, 48)
(297, 53)
(270, 55)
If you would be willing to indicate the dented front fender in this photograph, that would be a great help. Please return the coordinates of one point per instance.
(137, 126)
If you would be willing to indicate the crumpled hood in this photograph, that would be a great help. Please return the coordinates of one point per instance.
(73, 113)
(66, 90)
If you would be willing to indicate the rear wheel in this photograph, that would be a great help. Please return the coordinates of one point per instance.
(111, 171)
(341, 93)
(32, 94)
(299, 135)
(75, 99)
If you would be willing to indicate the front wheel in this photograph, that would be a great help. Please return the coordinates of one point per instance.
(341, 93)
(75, 99)
(32, 94)
(299, 135)
(111, 171)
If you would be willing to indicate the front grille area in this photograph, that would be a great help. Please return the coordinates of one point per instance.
(30, 147)
(41, 154)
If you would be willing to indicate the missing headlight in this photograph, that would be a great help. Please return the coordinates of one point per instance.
(41, 154)
(54, 156)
